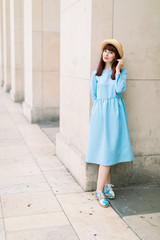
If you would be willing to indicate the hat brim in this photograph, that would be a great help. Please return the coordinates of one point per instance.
(115, 43)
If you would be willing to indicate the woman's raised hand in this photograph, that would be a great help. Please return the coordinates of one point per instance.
(119, 65)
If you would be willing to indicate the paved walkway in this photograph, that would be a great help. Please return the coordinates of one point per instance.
(39, 198)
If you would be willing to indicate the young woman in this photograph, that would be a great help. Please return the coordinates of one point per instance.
(109, 140)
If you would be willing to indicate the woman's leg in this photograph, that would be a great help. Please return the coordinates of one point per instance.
(108, 179)
(103, 177)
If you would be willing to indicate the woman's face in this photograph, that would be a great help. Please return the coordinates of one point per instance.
(108, 56)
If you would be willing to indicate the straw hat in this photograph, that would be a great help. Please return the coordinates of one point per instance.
(115, 43)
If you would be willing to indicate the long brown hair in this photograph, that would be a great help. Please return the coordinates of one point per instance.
(101, 64)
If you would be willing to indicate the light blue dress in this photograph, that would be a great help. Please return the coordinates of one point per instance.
(108, 140)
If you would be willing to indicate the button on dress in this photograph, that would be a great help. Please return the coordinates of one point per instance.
(108, 139)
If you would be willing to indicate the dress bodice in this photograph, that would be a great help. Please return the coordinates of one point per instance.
(104, 87)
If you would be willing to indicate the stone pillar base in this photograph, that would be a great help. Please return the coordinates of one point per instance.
(16, 97)
(40, 115)
(143, 170)
(7, 87)
(2, 83)
(85, 174)
(122, 175)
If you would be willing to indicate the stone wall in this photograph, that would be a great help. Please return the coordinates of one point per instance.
(41, 59)
(135, 25)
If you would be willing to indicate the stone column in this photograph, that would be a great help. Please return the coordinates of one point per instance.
(140, 19)
(7, 45)
(17, 50)
(41, 60)
(80, 51)
(1, 45)
(84, 25)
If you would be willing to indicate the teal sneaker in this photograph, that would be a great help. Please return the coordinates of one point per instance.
(102, 199)
(108, 191)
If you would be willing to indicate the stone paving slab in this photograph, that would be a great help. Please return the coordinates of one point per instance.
(29, 203)
(19, 169)
(43, 151)
(63, 232)
(137, 200)
(0, 209)
(91, 221)
(36, 183)
(2, 231)
(30, 129)
(20, 152)
(50, 129)
(36, 140)
(28, 160)
(11, 139)
(61, 181)
(6, 120)
(14, 224)
(50, 163)
(19, 119)
(147, 226)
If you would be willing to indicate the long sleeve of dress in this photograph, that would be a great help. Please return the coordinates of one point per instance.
(121, 81)
(93, 86)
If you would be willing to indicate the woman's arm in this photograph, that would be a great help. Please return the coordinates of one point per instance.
(121, 81)
(93, 86)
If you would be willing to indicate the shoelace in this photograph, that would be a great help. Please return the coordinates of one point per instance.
(101, 195)
(110, 187)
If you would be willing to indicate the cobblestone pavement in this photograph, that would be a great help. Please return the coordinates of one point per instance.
(39, 198)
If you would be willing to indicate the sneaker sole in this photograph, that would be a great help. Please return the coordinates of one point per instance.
(110, 197)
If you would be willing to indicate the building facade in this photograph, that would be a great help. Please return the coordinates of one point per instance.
(48, 49)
